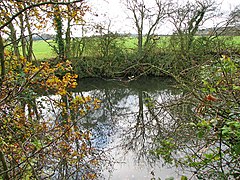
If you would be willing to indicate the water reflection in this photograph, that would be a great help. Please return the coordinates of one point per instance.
(129, 123)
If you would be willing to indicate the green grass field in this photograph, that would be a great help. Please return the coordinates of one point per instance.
(235, 40)
(42, 49)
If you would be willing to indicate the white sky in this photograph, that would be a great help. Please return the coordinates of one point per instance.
(116, 12)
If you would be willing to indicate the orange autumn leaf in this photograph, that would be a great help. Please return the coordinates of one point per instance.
(210, 97)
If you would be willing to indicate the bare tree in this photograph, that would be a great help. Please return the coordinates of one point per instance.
(235, 15)
(147, 18)
(234, 20)
(187, 19)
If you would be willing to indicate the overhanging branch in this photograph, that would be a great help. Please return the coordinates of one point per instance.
(36, 5)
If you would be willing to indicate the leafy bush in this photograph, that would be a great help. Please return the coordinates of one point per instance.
(35, 145)
(208, 139)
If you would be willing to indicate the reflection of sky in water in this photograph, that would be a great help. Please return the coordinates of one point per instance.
(124, 130)
(114, 128)
(130, 170)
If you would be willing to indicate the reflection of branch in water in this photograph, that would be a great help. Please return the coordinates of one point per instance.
(127, 119)
(140, 119)
(147, 125)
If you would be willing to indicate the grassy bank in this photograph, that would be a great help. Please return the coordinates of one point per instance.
(117, 56)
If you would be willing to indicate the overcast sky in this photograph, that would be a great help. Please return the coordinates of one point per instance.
(115, 11)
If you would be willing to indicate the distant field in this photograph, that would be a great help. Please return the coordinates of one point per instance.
(235, 40)
(42, 50)
(131, 42)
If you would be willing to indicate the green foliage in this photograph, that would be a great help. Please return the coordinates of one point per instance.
(184, 178)
(219, 119)
(113, 55)
(208, 138)
(165, 150)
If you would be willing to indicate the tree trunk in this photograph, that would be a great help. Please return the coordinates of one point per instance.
(140, 41)
(4, 164)
(14, 40)
(23, 40)
(59, 29)
(68, 38)
(30, 39)
(2, 59)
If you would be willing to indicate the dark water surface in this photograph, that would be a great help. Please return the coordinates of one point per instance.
(128, 123)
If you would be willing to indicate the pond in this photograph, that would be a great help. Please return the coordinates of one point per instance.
(129, 123)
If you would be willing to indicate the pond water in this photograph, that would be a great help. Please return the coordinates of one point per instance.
(128, 123)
